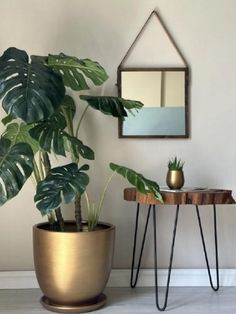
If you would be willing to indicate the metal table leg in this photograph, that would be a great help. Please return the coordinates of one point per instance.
(215, 288)
(133, 281)
(162, 308)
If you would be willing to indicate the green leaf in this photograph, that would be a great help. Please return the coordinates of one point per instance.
(51, 137)
(19, 133)
(175, 164)
(131, 106)
(16, 165)
(68, 106)
(84, 167)
(79, 148)
(30, 91)
(142, 184)
(49, 133)
(42, 59)
(62, 184)
(7, 119)
(74, 71)
(114, 106)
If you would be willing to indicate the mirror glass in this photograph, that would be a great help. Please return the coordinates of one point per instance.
(164, 95)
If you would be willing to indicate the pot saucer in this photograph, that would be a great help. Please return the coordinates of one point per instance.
(80, 308)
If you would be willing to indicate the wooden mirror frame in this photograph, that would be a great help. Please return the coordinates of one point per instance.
(185, 68)
(186, 100)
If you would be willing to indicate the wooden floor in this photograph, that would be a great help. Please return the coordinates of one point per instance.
(128, 301)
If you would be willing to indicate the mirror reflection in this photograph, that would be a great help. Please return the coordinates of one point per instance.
(163, 93)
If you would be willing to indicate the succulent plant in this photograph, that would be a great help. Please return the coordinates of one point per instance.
(175, 164)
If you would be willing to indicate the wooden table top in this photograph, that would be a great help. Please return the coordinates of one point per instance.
(187, 196)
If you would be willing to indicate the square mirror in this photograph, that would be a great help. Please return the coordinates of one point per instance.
(164, 93)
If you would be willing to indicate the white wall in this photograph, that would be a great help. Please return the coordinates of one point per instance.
(104, 30)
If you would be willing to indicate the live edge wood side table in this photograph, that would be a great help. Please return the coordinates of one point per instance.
(194, 197)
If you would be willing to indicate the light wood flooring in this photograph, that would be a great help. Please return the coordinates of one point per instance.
(186, 300)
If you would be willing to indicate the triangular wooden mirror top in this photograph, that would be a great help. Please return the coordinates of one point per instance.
(155, 72)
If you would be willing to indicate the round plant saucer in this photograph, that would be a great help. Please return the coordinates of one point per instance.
(80, 308)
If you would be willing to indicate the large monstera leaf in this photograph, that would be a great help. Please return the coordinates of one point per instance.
(30, 90)
(114, 106)
(74, 71)
(49, 136)
(19, 133)
(16, 165)
(142, 184)
(62, 184)
(52, 137)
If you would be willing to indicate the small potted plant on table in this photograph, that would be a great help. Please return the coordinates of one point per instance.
(175, 174)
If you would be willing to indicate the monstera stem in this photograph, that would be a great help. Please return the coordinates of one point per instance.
(46, 162)
(78, 213)
(47, 167)
(80, 121)
(36, 172)
(60, 218)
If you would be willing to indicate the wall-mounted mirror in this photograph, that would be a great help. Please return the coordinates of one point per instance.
(164, 93)
(155, 72)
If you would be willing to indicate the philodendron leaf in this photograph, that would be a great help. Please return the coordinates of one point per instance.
(74, 71)
(114, 106)
(142, 184)
(19, 133)
(30, 90)
(61, 185)
(16, 165)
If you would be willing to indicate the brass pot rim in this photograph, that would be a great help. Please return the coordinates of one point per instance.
(100, 223)
(175, 171)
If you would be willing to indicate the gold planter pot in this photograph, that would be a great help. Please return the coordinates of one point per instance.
(73, 268)
(175, 179)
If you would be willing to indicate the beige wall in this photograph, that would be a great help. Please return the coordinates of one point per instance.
(104, 30)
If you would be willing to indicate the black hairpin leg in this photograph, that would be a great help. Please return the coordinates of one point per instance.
(133, 281)
(215, 288)
(162, 308)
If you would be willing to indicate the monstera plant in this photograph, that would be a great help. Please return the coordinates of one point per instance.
(42, 119)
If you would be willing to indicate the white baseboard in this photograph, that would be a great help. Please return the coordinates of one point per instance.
(18, 280)
(121, 278)
(179, 277)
